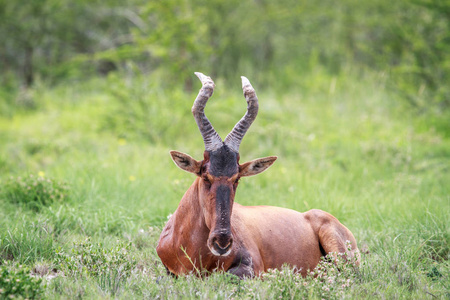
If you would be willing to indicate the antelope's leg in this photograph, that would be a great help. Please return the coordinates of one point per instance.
(170, 273)
(242, 271)
(335, 238)
(244, 265)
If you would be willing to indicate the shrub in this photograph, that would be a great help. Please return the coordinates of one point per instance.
(17, 282)
(332, 278)
(34, 192)
(108, 266)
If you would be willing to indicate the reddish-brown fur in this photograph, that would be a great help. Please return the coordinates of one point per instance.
(265, 237)
(209, 231)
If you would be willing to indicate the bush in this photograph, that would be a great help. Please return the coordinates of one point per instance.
(332, 277)
(108, 266)
(16, 282)
(34, 192)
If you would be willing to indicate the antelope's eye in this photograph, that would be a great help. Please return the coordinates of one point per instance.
(206, 180)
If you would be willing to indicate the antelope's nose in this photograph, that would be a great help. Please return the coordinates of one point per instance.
(222, 245)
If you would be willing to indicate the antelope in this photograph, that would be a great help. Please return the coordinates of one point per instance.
(210, 232)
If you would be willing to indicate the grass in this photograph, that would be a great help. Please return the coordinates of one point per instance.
(346, 145)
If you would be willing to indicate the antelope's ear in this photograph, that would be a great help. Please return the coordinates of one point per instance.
(185, 162)
(256, 166)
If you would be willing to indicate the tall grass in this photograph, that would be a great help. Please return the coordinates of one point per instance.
(345, 145)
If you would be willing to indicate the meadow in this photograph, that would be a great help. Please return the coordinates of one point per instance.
(354, 100)
(87, 183)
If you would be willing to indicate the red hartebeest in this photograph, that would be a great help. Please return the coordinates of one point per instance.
(209, 231)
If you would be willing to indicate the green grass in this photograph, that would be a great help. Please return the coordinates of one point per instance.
(345, 144)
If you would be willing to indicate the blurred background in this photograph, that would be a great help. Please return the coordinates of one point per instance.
(350, 91)
(276, 43)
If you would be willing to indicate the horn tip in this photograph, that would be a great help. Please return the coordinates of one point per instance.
(199, 75)
(204, 79)
(245, 81)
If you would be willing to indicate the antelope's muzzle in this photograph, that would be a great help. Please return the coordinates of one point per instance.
(220, 243)
(220, 239)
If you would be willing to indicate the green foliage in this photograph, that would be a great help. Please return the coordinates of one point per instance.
(110, 267)
(346, 144)
(434, 235)
(34, 192)
(143, 110)
(332, 278)
(87, 259)
(55, 31)
(16, 282)
(278, 43)
(27, 243)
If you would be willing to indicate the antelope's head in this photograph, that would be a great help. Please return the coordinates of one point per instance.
(219, 171)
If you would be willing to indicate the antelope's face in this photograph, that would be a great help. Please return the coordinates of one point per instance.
(218, 178)
(219, 171)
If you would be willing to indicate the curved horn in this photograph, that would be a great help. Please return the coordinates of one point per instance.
(234, 138)
(210, 137)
